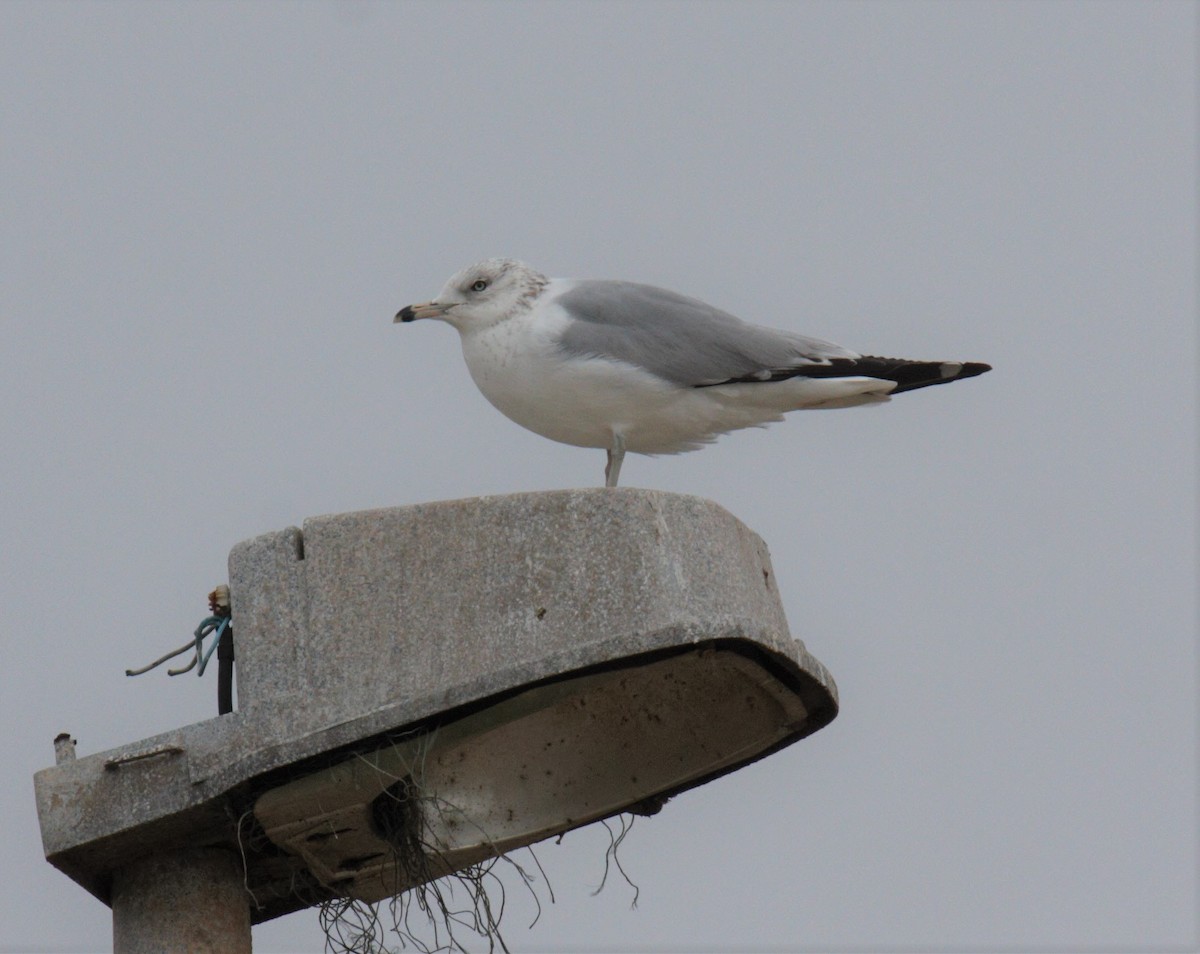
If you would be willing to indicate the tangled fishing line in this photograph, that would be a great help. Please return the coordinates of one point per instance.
(433, 910)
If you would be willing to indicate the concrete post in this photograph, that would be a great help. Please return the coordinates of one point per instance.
(183, 902)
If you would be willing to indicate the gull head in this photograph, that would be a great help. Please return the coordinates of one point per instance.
(481, 295)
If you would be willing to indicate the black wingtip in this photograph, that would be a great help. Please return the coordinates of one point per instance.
(972, 368)
(908, 375)
(911, 375)
(405, 314)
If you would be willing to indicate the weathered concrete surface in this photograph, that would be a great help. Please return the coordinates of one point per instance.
(502, 579)
(187, 901)
(364, 624)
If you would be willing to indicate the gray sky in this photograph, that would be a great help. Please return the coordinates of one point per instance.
(212, 211)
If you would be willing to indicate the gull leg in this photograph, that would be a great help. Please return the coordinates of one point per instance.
(616, 455)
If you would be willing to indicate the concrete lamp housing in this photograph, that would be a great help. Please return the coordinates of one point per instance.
(423, 688)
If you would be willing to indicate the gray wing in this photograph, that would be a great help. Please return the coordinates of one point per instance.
(678, 338)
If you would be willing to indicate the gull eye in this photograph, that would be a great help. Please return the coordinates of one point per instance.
(479, 285)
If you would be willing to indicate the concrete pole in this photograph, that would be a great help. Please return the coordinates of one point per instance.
(184, 902)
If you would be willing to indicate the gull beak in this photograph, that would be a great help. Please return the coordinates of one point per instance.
(427, 309)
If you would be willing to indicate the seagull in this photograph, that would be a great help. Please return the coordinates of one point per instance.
(629, 367)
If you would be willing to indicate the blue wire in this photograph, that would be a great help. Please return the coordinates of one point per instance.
(219, 623)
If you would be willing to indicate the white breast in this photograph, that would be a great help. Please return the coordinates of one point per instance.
(572, 400)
